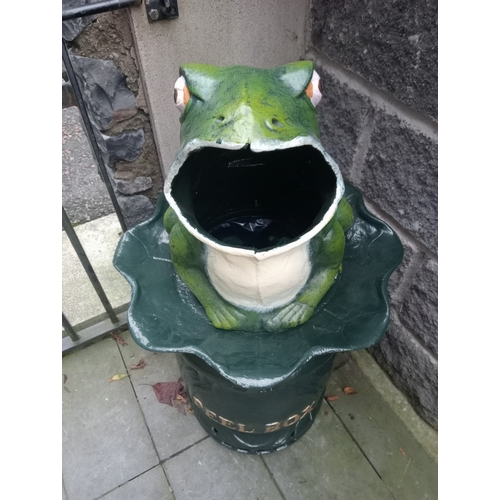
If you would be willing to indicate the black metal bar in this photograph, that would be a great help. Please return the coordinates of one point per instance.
(94, 333)
(71, 332)
(90, 133)
(97, 8)
(73, 238)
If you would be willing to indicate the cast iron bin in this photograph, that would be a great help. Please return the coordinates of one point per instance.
(254, 390)
(269, 383)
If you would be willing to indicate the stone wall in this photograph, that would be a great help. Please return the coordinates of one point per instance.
(378, 116)
(104, 59)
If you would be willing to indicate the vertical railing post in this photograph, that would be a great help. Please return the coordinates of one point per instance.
(91, 134)
(69, 329)
(73, 238)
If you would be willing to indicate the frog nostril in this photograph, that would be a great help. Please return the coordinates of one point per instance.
(274, 124)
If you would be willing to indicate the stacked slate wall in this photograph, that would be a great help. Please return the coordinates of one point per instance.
(103, 55)
(378, 66)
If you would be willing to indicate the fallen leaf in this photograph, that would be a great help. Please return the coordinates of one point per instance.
(118, 338)
(173, 394)
(349, 391)
(332, 398)
(166, 391)
(117, 377)
(402, 452)
(139, 365)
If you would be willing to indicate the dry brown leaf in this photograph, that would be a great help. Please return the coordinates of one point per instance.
(173, 394)
(166, 391)
(349, 391)
(332, 398)
(402, 452)
(117, 377)
(139, 365)
(118, 338)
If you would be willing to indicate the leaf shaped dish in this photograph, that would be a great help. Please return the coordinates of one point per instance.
(164, 316)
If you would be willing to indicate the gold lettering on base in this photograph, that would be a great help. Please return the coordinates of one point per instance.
(242, 428)
(275, 426)
(272, 427)
(291, 420)
(210, 414)
(306, 410)
(197, 402)
(227, 423)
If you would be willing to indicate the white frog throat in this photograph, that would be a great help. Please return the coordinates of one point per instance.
(259, 285)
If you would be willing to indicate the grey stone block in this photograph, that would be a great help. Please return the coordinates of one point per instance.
(391, 44)
(136, 208)
(412, 369)
(400, 175)
(126, 146)
(134, 186)
(105, 91)
(341, 113)
(412, 256)
(397, 276)
(73, 27)
(419, 312)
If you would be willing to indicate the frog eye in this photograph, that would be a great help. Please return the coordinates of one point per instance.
(313, 90)
(181, 94)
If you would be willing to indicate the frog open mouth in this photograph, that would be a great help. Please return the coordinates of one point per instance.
(256, 200)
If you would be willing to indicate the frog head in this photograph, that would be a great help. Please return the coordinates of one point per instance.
(250, 152)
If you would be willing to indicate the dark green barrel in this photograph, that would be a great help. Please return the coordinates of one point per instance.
(253, 420)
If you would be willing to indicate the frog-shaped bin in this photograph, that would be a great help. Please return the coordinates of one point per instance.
(260, 262)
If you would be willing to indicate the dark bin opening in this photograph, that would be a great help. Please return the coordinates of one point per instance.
(255, 200)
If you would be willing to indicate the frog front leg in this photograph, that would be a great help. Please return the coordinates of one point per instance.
(187, 257)
(327, 249)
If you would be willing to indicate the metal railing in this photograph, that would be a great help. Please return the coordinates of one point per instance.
(113, 320)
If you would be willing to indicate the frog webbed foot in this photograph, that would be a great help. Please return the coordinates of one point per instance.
(293, 314)
(226, 316)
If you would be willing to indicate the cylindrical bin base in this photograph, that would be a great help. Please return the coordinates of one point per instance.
(254, 420)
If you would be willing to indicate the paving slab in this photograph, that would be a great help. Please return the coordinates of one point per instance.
(171, 430)
(105, 440)
(326, 464)
(152, 485)
(209, 471)
(380, 380)
(402, 463)
(79, 299)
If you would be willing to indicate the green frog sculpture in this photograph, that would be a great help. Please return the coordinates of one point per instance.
(256, 216)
